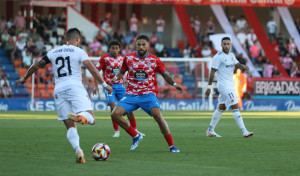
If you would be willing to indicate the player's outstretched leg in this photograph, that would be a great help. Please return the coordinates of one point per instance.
(117, 116)
(73, 138)
(132, 121)
(83, 117)
(214, 121)
(116, 128)
(164, 128)
(239, 120)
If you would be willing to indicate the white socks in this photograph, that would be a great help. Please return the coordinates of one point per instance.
(215, 119)
(239, 120)
(73, 138)
(88, 116)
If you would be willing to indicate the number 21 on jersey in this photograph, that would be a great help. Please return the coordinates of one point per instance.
(61, 61)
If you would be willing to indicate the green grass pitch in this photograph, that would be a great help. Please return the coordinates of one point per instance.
(35, 143)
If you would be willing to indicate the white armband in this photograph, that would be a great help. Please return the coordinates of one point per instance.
(104, 84)
(174, 84)
(209, 86)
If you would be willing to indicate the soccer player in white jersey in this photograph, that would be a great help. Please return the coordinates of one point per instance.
(71, 99)
(224, 63)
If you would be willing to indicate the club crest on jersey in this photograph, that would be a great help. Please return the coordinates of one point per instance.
(140, 75)
(115, 70)
(232, 100)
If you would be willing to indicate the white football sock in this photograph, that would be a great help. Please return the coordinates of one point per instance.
(88, 116)
(215, 119)
(239, 120)
(73, 138)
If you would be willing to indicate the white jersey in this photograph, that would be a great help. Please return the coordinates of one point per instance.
(66, 62)
(225, 65)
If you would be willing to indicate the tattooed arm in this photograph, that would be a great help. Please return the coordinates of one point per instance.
(171, 81)
(32, 69)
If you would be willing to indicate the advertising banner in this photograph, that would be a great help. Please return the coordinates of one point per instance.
(276, 86)
(180, 105)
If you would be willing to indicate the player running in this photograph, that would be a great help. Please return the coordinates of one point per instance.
(110, 64)
(142, 89)
(224, 62)
(71, 98)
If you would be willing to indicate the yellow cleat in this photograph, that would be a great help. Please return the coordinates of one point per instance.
(78, 118)
(80, 157)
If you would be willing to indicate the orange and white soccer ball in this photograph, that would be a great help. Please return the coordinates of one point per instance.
(101, 152)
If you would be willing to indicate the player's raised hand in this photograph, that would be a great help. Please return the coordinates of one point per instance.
(22, 81)
(207, 92)
(179, 88)
(109, 89)
(96, 90)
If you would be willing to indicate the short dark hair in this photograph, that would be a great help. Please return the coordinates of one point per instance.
(114, 42)
(73, 33)
(144, 37)
(225, 38)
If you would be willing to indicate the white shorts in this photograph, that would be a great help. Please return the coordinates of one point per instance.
(71, 99)
(227, 97)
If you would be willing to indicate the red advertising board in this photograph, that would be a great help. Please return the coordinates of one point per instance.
(262, 3)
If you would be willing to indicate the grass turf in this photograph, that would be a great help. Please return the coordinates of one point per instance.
(34, 143)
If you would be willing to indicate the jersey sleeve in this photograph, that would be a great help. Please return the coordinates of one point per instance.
(216, 62)
(124, 67)
(100, 63)
(84, 56)
(160, 67)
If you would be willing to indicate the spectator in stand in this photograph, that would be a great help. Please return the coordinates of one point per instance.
(30, 45)
(95, 46)
(2, 24)
(251, 36)
(46, 37)
(40, 44)
(61, 25)
(106, 28)
(100, 37)
(24, 34)
(118, 35)
(276, 47)
(275, 73)
(34, 35)
(9, 23)
(197, 27)
(232, 20)
(153, 39)
(242, 37)
(133, 22)
(9, 46)
(282, 46)
(5, 37)
(241, 23)
(295, 72)
(126, 50)
(206, 51)
(268, 69)
(174, 69)
(49, 24)
(6, 90)
(164, 53)
(19, 22)
(20, 44)
(292, 48)
(272, 25)
(128, 38)
(287, 63)
(27, 59)
(255, 52)
(159, 46)
(210, 26)
(160, 25)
